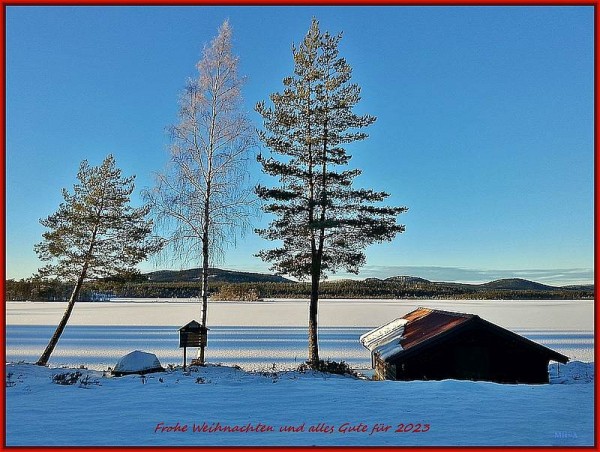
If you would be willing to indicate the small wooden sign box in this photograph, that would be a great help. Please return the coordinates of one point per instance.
(192, 335)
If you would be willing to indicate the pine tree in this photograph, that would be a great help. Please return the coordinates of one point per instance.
(203, 199)
(323, 222)
(94, 233)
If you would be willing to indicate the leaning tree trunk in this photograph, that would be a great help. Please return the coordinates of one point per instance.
(63, 322)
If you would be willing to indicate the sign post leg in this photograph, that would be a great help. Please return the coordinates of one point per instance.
(184, 357)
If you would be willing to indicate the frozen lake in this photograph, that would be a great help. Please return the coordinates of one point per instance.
(256, 335)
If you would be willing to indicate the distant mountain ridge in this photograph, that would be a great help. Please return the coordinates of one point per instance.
(508, 284)
(233, 277)
(407, 280)
(233, 285)
(214, 274)
(517, 284)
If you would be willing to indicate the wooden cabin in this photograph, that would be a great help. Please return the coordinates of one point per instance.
(429, 344)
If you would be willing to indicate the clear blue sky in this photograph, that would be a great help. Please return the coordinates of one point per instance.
(484, 130)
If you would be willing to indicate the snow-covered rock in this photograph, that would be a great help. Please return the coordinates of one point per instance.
(137, 362)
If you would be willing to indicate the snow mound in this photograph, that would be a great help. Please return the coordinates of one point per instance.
(574, 372)
(137, 362)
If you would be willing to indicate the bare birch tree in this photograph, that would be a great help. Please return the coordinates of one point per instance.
(203, 199)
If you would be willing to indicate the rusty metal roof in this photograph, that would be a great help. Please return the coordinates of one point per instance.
(423, 324)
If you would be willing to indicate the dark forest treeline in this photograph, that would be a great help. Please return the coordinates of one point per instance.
(40, 290)
(390, 289)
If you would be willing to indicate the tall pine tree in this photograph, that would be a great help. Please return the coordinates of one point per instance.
(322, 221)
(94, 233)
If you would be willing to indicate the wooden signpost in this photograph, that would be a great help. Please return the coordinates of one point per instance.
(192, 335)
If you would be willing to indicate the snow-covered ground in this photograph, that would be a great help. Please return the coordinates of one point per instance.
(132, 411)
(129, 410)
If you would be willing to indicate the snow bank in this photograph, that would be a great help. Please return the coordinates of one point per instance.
(197, 407)
(137, 362)
(574, 372)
